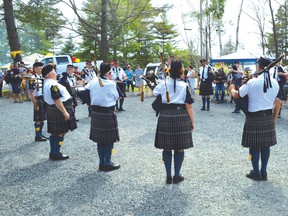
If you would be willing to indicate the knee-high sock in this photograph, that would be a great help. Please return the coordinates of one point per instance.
(58, 144)
(265, 153)
(100, 149)
(254, 153)
(203, 101)
(37, 129)
(121, 103)
(178, 159)
(208, 102)
(167, 158)
(41, 126)
(108, 152)
(52, 141)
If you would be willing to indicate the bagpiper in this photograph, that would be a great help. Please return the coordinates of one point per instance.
(36, 95)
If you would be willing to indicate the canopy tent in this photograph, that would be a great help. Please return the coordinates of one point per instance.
(6, 66)
(31, 58)
(243, 56)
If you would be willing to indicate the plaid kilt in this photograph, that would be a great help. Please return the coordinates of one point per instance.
(40, 115)
(55, 119)
(173, 130)
(122, 87)
(206, 88)
(104, 127)
(259, 132)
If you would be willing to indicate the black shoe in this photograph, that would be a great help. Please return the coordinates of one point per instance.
(264, 177)
(121, 109)
(203, 108)
(253, 176)
(111, 167)
(178, 179)
(77, 120)
(236, 112)
(169, 180)
(101, 168)
(40, 139)
(60, 156)
(208, 109)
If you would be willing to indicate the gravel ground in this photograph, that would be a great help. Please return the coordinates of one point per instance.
(214, 170)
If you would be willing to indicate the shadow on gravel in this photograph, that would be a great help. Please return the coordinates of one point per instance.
(23, 148)
(168, 200)
(86, 189)
(27, 174)
(264, 198)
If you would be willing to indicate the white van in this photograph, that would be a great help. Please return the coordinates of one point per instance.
(156, 68)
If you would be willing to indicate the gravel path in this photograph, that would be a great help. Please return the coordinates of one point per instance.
(214, 169)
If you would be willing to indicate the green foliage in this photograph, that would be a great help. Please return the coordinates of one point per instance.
(41, 22)
(281, 21)
(69, 46)
(4, 47)
(229, 47)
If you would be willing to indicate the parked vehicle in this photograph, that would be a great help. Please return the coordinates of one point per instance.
(61, 62)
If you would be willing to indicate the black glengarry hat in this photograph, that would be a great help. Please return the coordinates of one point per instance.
(37, 64)
(104, 68)
(264, 62)
(47, 69)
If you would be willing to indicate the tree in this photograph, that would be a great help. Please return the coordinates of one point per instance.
(281, 25)
(4, 46)
(44, 28)
(229, 47)
(12, 33)
(164, 31)
(69, 46)
(274, 29)
(116, 16)
(258, 15)
(237, 28)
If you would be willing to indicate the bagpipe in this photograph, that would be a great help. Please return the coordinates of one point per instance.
(243, 80)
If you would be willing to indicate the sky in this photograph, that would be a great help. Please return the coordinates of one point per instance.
(248, 37)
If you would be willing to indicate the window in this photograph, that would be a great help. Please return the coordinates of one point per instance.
(62, 60)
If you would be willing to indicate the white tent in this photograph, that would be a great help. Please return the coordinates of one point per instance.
(31, 58)
(241, 56)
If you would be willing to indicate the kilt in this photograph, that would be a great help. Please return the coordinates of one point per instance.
(104, 127)
(122, 87)
(16, 88)
(55, 119)
(173, 130)
(40, 115)
(206, 88)
(259, 131)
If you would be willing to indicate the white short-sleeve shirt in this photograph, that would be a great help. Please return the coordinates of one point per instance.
(105, 96)
(47, 91)
(257, 99)
(177, 97)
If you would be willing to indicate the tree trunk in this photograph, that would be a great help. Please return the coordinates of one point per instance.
(104, 40)
(12, 31)
(237, 29)
(274, 29)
